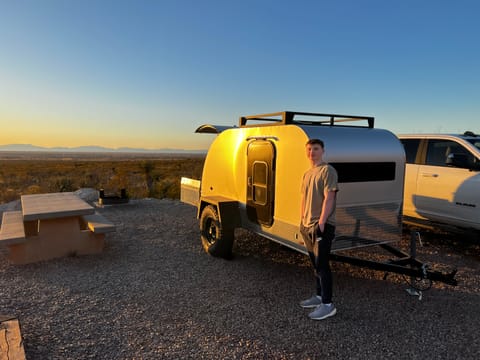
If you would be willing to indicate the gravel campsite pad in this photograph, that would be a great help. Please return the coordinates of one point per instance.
(154, 294)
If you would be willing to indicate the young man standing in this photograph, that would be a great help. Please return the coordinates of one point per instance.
(319, 189)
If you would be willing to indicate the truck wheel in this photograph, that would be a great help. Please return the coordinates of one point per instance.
(216, 241)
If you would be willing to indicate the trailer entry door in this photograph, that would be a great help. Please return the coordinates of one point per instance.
(260, 181)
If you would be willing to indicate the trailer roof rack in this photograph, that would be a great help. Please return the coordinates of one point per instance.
(293, 117)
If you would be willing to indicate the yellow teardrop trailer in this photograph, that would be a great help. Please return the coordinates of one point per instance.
(252, 178)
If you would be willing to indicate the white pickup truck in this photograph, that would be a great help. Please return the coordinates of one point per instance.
(442, 180)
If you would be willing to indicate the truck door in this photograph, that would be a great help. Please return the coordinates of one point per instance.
(260, 181)
(446, 193)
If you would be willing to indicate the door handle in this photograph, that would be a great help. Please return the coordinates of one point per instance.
(429, 175)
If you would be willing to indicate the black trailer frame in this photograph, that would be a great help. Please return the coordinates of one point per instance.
(404, 264)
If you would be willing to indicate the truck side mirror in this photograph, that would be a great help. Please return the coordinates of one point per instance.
(458, 160)
(476, 165)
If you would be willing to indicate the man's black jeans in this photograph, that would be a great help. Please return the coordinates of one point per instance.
(318, 245)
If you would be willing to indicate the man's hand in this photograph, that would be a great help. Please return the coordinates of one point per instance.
(321, 226)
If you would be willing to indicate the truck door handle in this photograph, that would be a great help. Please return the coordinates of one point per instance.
(429, 175)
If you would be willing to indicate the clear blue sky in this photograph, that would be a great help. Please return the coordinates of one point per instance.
(148, 73)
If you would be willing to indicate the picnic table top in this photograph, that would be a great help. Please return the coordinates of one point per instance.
(53, 205)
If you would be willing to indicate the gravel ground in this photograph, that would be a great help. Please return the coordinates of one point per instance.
(154, 294)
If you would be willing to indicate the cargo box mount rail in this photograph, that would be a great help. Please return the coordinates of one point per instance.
(305, 118)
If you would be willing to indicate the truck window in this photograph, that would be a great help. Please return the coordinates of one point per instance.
(411, 149)
(438, 151)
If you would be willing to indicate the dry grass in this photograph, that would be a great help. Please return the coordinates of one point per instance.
(141, 177)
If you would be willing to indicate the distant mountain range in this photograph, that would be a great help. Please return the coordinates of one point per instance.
(93, 148)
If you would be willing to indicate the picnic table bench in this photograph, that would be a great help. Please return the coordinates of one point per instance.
(51, 226)
(11, 343)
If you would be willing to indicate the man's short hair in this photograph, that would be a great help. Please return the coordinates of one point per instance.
(315, 141)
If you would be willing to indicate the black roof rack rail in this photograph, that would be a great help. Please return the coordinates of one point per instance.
(291, 117)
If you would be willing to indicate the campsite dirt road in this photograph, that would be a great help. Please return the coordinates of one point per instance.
(154, 294)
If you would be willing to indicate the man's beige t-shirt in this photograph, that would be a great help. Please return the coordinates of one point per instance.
(315, 182)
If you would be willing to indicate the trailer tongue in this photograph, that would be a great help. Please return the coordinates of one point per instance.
(404, 264)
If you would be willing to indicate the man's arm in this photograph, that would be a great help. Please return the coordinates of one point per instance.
(302, 207)
(327, 208)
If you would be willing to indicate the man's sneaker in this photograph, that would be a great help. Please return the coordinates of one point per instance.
(322, 312)
(313, 302)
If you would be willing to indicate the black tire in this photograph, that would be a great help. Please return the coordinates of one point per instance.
(216, 240)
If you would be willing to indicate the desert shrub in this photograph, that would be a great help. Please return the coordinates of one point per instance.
(34, 189)
(63, 185)
(173, 191)
(148, 167)
(165, 189)
(8, 195)
(90, 180)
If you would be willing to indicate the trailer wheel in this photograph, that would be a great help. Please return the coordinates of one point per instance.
(216, 240)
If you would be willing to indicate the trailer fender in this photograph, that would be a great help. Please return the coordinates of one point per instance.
(227, 209)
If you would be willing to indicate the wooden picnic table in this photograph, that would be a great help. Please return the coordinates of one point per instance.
(53, 225)
(53, 205)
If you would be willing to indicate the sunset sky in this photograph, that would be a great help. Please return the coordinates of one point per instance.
(148, 73)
